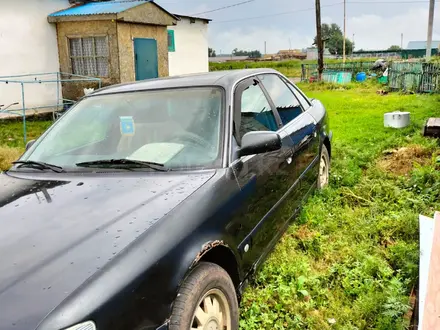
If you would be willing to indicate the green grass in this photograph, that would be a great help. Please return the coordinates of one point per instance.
(11, 138)
(351, 259)
(290, 68)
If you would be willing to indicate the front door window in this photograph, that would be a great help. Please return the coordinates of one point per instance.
(256, 113)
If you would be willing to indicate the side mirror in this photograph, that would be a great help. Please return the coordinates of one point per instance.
(259, 142)
(29, 144)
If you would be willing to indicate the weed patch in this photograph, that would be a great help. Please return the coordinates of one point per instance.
(402, 160)
(11, 138)
(8, 155)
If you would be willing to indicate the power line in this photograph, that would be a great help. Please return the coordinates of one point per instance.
(385, 2)
(272, 15)
(180, 2)
(225, 7)
(313, 8)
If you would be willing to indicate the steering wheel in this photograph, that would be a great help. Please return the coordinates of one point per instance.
(191, 137)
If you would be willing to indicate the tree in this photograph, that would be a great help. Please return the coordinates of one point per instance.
(211, 52)
(251, 54)
(394, 48)
(254, 54)
(334, 39)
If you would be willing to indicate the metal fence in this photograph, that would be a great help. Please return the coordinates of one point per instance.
(57, 78)
(311, 70)
(415, 77)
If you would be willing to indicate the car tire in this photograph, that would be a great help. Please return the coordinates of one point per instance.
(324, 168)
(206, 298)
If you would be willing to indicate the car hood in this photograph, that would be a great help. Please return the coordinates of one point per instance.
(56, 233)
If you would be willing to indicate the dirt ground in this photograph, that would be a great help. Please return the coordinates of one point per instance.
(401, 161)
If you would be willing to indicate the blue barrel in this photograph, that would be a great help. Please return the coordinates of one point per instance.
(361, 76)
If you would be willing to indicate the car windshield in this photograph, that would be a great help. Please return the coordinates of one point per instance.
(176, 128)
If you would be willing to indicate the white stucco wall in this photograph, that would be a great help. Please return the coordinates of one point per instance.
(28, 44)
(191, 47)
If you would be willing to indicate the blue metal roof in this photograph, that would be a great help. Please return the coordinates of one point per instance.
(422, 44)
(99, 8)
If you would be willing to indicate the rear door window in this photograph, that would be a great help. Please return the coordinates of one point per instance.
(285, 101)
(301, 98)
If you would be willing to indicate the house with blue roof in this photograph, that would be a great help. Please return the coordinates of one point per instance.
(115, 40)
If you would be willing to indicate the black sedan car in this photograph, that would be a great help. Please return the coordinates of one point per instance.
(149, 205)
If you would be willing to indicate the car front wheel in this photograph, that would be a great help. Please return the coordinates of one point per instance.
(206, 300)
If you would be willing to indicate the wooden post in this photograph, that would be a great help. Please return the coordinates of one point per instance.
(430, 24)
(345, 31)
(319, 39)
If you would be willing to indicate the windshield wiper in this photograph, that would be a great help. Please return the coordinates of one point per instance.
(38, 165)
(123, 163)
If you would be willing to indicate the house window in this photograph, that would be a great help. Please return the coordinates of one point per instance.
(171, 45)
(89, 56)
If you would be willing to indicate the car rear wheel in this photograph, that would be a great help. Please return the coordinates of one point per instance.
(206, 301)
(324, 168)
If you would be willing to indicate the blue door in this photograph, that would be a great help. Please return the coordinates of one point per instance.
(145, 58)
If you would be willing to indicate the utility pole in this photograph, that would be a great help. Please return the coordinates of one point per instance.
(352, 48)
(319, 39)
(290, 44)
(401, 41)
(430, 24)
(265, 52)
(345, 25)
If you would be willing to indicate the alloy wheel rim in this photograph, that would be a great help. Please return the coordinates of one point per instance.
(212, 312)
(323, 172)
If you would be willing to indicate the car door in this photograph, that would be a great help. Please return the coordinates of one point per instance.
(300, 126)
(263, 179)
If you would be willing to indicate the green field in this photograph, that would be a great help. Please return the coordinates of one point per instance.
(351, 259)
(290, 68)
(11, 138)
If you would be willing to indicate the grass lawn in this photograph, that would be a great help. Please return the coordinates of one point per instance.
(11, 138)
(350, 260)
(290, 68)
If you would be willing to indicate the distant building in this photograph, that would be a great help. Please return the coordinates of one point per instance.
(292, 53)
(386, 54)
(422, 44)
(312, 53)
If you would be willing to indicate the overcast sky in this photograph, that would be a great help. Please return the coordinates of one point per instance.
(375, 24)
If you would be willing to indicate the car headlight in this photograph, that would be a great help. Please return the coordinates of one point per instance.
(89, 325)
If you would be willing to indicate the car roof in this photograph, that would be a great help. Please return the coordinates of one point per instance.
(225, 79)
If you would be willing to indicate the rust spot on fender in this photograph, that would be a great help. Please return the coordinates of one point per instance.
(205, 248)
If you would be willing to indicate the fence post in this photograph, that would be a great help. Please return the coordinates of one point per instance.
(24, 113)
